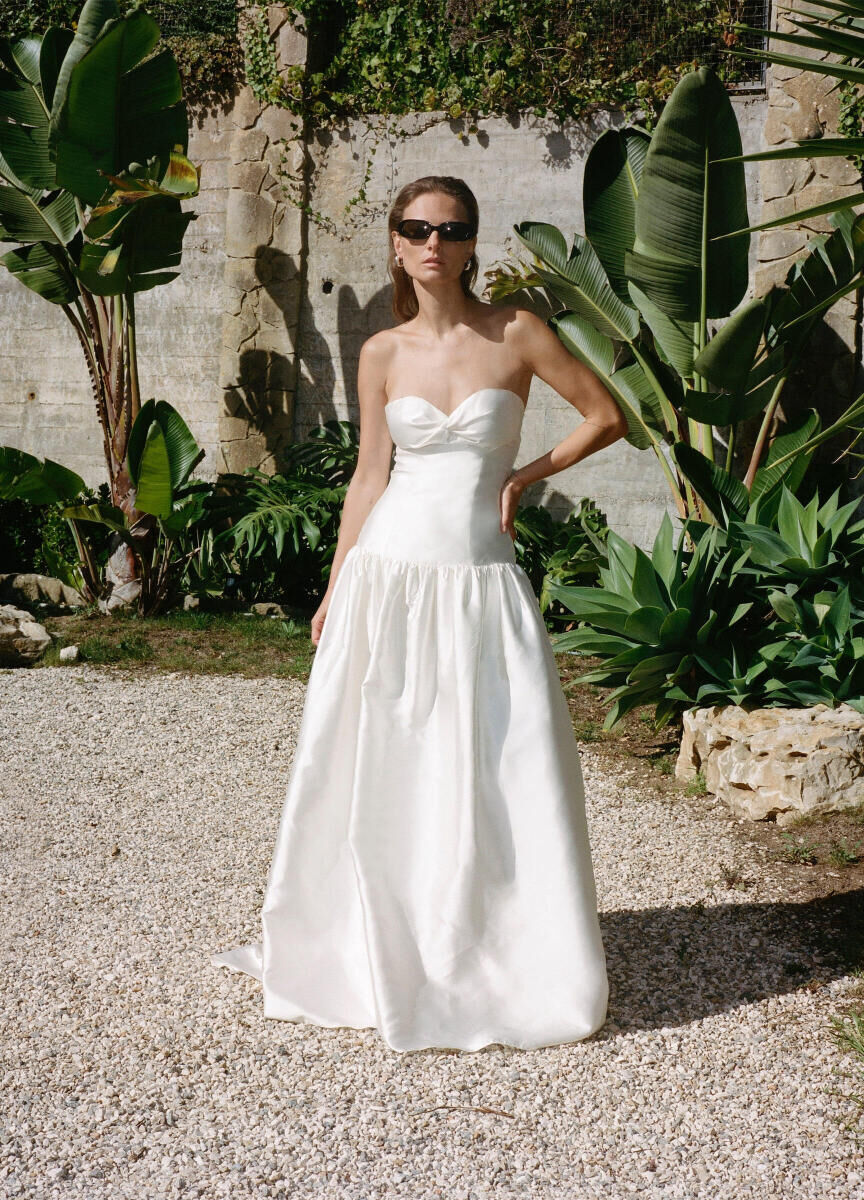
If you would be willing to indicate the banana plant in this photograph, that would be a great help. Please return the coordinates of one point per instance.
(635, 293)
(167, 503)
(93, 168)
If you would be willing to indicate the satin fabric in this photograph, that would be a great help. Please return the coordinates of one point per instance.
(432, 876)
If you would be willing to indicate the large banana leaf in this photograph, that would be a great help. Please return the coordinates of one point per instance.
(674, 338)
(24, 127)
(723, 408)
(91, 20)
(629, 384)
(153, 493)
(45, 270)
(610, 187)
(140, 246)
(26, 215)
(724, 495)
(728, 358)
(684, 202)
(32, 210)
(182, 451)
(578, 280)
(25, 477)
(55, 46)
(114, 106)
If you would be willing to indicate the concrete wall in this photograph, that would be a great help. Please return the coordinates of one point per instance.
(526, 169)
(46, 405)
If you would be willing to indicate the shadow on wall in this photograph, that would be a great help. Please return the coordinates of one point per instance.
(262, 395)
(828, 378)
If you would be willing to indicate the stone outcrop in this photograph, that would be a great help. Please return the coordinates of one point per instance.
(22, 640)
(776, 762)
(30, 588)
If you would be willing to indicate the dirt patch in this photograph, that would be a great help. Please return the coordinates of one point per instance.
(200, 643)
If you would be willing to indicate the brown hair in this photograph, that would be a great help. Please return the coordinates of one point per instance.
(404, 297)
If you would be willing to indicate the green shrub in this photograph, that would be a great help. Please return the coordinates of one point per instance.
(38, 538)
(758, 614)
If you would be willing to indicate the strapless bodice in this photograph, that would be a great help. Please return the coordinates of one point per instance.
(441, 502)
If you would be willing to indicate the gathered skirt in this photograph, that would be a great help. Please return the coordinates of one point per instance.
(432, 876)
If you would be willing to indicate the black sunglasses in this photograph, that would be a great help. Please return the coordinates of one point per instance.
(449, 231)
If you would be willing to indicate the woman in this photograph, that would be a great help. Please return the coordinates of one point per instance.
(432, 876)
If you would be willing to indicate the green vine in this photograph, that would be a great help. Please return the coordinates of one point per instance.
(850, 122)
(460, 60)
(261, 67)
(559, 58)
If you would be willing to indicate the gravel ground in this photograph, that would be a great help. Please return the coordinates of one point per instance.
(139, 813)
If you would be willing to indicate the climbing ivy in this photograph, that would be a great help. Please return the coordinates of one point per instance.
(459, 60)
(559, 58)
(850, 122)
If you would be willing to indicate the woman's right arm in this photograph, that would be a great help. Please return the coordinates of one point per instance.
(373, 461)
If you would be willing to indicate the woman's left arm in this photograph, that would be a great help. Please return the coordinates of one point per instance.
(604, 423)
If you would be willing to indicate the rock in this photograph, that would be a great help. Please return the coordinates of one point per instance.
(269, 609)
(776, 762)
(29, 588)
(190, 602)
(22, 640)
(69, 654)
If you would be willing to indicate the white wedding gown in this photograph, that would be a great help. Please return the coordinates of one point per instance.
(432, 875)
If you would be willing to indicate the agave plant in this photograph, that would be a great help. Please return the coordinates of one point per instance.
(93, 168)
(817, 656)
(809, 543)
(567, 551)
(639, 287)
(653, 617)
(717, 626)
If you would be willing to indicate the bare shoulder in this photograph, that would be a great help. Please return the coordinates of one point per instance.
(522, 322)
(377, 352)
(513, 323)
(380, 345)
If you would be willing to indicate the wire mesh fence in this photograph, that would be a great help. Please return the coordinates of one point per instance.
(177, 18)
(652, 34)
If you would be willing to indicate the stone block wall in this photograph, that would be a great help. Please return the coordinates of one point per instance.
(802, 105)
(264, 249)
